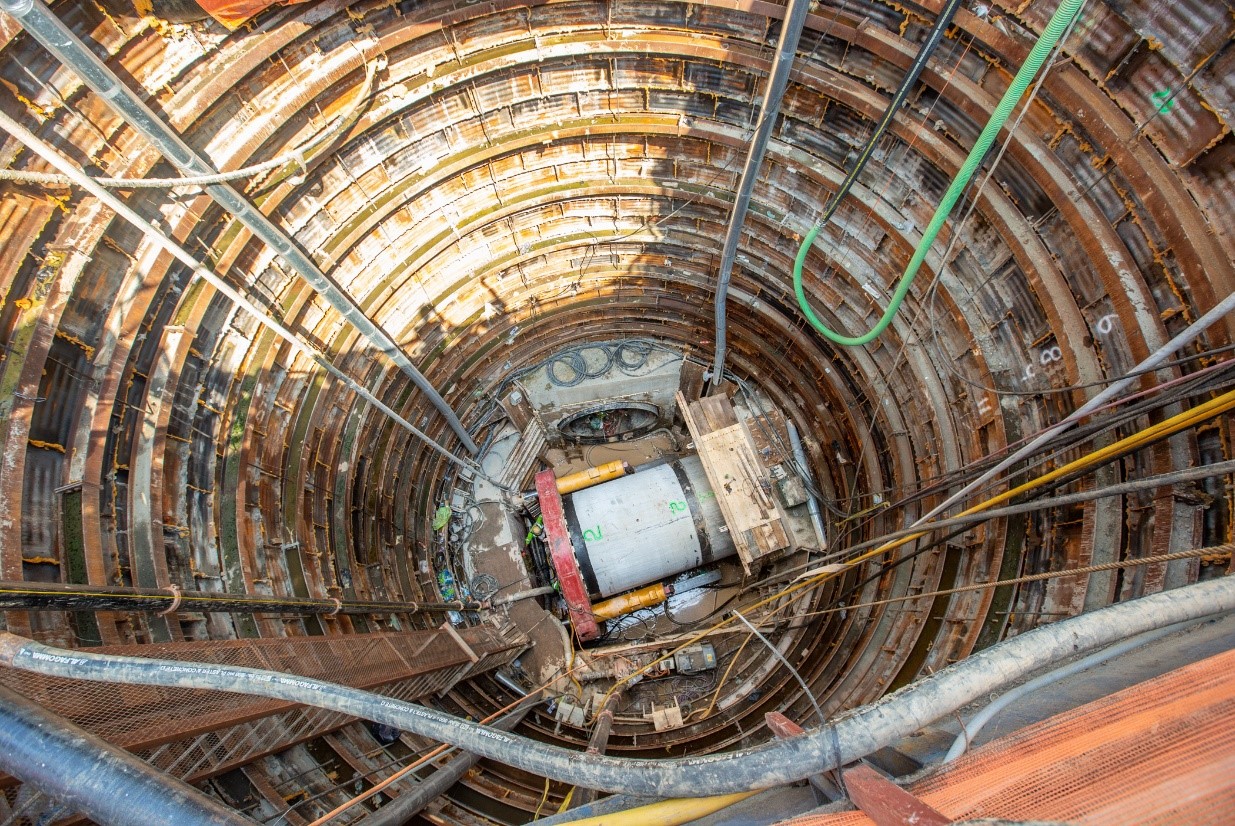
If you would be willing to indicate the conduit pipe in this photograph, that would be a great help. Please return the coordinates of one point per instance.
(596, 744)
(107, 784)
(970, 730)
(778, 80)
(1183, 339)
(58, 39)
(812, 501)
(1150, 483)
(518, 596)
(1175, 424)
(1062, 19)
(844, 739)
(156, 237)
(55, 596)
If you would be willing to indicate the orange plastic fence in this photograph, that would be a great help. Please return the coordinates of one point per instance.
(232, 13)
(1161, 752)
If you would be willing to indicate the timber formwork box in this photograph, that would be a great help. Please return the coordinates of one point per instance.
(739, 477)
(193, 734)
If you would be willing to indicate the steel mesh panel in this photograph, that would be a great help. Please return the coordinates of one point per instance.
(1161, 752)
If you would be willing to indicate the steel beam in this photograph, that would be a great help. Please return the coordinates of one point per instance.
(54, 596)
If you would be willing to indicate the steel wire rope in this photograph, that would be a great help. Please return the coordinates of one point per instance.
(1063, 17)
(302, 156)
(927, 306)
(1180, 422)
(906, 147)
(823, 718)
(1193, 553)
(1069, 441)
(1119, 489)
(1031, 506)
(929, 302)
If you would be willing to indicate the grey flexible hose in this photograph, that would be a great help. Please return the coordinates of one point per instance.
(846, 738)
(970, 729)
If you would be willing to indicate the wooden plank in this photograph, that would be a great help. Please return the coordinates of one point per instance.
(266, 789)
(736, 479)
(715, 413)
(739, 479)
(770, 437)
(690, 382)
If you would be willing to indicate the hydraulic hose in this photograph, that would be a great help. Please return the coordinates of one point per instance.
(666, 812)
(605, 806)
(778, 81)
(1064, 15)
(844, 739)
(107, 784)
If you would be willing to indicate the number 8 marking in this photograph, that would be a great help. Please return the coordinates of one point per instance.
(1049, 355)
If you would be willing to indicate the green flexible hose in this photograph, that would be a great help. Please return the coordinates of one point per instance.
(1063, 18)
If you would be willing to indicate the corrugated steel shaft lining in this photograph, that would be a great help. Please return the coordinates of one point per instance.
(642, 122)
(57, 38)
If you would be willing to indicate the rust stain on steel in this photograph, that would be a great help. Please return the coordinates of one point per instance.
(146, 501)
(1210, 272)
(38, 313)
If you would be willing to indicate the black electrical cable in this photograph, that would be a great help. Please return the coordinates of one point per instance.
(933, 39)
(1077, 436)
(1131, 486)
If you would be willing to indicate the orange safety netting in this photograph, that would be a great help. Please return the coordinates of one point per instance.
(1161, 752)
(232, 13)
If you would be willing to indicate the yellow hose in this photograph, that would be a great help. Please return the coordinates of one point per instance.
(591, 476)
(666, 812)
